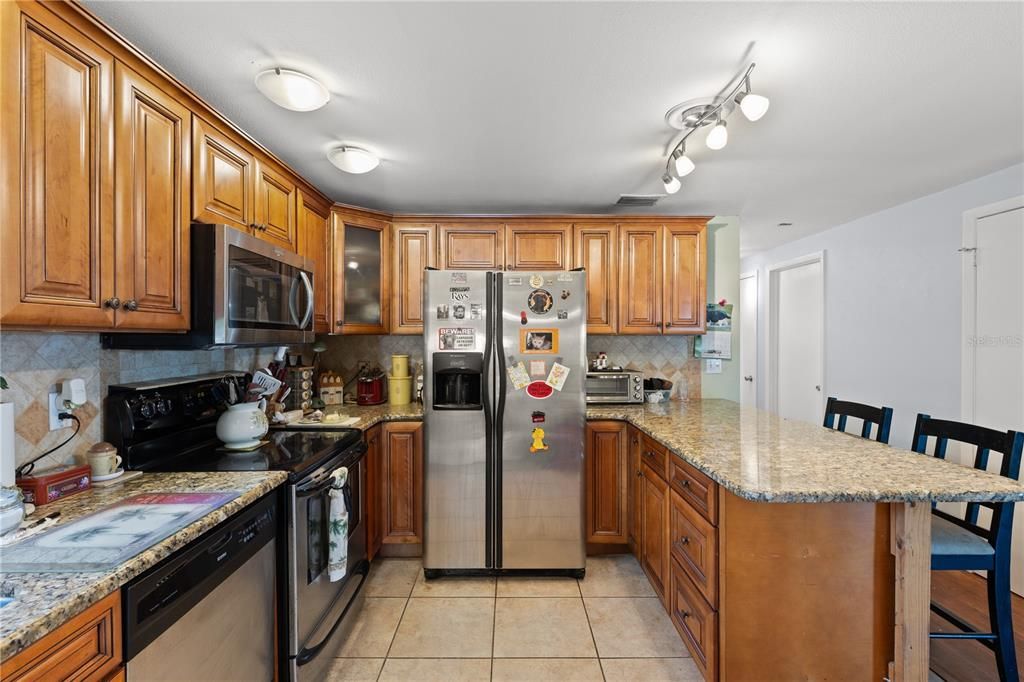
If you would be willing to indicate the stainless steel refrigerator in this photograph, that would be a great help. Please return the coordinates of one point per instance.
(504, 415)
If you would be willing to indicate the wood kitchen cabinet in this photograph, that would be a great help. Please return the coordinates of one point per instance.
(654, 530)
(538, 247)
(414, 248)
(607, 478)
(471, 246)
(360, 246)
(634, 493)
(402, 449)
(58, 172)
(152, 130)
(274, 211)
(640, 281)
(685, 275)
(314, 244)
(87, 647)
(223, 178)
(374, 492)
(595, 246)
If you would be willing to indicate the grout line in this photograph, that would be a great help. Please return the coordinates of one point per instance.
(394, 635)
(590, 627)
(494, 626)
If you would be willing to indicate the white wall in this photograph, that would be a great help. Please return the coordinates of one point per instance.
(892, 298)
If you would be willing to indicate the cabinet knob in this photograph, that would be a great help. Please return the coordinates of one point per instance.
(685, 540)
(112, 303)
(131, 305)
(686, 614)
(639, 474)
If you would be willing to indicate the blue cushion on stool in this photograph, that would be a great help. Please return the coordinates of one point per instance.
(949, 538)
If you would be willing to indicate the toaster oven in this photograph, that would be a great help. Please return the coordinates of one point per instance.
(620, 386)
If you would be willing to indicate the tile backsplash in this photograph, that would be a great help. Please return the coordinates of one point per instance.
(35, 363)
(667, 357)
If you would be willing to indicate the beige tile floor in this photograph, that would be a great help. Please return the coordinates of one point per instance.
(608, 626)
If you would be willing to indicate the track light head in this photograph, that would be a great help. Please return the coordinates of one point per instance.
(671, 183)
(684, 165)
(718, 137)
(753, 106)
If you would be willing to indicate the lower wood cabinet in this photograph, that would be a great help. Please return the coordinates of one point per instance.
(87, 647)
(696, 622)
(634, 489)
(693, 542)
(402, 449)
(374, 492)
(607, 478)
(654, 551)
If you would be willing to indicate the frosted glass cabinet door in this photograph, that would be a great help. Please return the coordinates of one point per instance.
(360, 265)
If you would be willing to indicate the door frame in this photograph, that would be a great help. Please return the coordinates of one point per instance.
(969, 292)
(772, 325)
(755, 275)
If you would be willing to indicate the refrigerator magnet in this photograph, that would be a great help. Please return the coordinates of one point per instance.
(515, 281)
(539, 390)
(518, 376)
(538, 368)
(538, 341)
(540, 301)
(456, 338)
(557, 376)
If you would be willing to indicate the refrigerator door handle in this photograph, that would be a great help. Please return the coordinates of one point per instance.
(486, 388)
(499, 415)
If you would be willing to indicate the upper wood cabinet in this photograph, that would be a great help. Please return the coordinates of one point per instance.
(274, 213)
(314, 244)
(595, 246)
(222, 184)
(640, 283)
(607, 479)
(685, 273)
(471, 246)
(152, 131)
(402, 449)
(414, 248)
(538, 247)
(58, 172)
(361, 260)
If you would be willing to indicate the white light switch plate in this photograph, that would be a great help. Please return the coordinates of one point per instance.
(55, 409)
(713, 365)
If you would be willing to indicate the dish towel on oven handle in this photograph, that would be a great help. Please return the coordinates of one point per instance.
(337, 526)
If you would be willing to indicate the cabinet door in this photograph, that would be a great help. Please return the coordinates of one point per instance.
(471, 246)
(403, 483)
(361, 262)
(151, 139)
(538, 247)
(414, 249)
(640, 261)
(314, 244)
(222, 178)
(275, 206)
(654, 553)
(595, 248)
(606, 479)
(374, 493)
(58, 173)
(693, 544)
(685, 276)
(635, 491)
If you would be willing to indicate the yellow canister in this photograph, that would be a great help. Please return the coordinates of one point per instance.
(399, 390)
(399, 367)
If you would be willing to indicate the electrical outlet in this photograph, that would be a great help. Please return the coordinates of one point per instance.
(56, 407)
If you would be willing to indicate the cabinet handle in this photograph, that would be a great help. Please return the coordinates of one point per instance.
(112, 303)
(131, 305)
(685, 540)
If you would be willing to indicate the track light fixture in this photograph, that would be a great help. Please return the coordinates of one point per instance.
(713, 112)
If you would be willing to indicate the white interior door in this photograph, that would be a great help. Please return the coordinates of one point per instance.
(994, 335)
(748, 339)
(797, 323)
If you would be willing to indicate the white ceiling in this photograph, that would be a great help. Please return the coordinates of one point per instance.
(559, 107)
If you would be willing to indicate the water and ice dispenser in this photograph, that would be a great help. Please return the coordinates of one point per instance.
(458, 381)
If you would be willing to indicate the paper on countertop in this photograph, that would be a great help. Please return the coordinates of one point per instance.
(518, 376)
(557, 376)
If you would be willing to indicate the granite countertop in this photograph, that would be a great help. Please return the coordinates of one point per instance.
(759, 456)
(43, 601)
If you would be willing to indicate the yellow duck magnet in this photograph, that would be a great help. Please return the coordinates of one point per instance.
(538, 440)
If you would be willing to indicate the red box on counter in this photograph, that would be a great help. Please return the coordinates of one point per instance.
(53, 484)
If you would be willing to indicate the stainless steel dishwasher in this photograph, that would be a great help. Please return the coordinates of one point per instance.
(207, 613)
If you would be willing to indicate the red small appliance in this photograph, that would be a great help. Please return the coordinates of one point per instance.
(371, 387)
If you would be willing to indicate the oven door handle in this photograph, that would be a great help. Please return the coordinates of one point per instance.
(307, 654)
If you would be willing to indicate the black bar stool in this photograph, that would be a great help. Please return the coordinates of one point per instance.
(963, 544)
(881, 416)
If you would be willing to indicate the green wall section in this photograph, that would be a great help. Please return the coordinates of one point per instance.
(724, 282)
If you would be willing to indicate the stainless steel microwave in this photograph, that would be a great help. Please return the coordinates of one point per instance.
(626, 386)
(245, 292)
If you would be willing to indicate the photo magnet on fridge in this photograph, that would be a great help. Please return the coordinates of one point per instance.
(538, 340)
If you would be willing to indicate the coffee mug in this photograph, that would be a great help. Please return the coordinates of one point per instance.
(104, 463)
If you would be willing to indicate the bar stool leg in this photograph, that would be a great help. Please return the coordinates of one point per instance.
(1000, 614)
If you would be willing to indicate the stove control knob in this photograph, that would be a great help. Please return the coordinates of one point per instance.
(147, 409)
(163, 406)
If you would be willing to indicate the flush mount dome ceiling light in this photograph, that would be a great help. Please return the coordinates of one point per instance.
(292, 90)
(695, 114)
(353, 159)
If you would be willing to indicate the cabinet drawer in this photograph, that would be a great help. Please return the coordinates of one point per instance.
(694, 544)
(654, 455)
(696, 622)
(696, 488)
